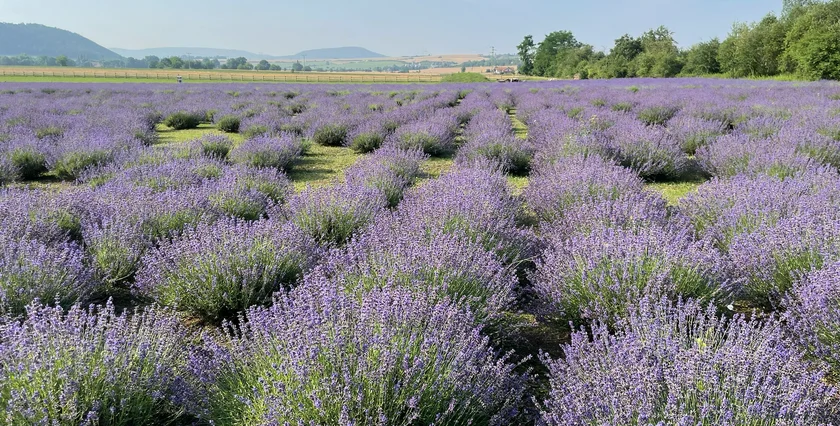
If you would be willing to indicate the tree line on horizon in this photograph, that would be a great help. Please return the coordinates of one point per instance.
(804, 40)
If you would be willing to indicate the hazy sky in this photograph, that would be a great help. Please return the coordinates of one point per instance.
(408, 27)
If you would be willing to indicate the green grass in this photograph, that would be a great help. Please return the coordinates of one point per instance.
(674, 191)
(321, 166)
(517, 183)
(316, 78)
(48, 79)
(168, 135)
(436, 166)
(349, 66)
(464, 77)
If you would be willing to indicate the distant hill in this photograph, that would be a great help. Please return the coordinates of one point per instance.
(40, 40)
(337, 53)
(204, 52)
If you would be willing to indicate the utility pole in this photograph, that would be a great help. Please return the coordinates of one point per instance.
(304, 63)
(493, 58)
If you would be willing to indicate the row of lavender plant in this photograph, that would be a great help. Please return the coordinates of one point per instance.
(372, 302)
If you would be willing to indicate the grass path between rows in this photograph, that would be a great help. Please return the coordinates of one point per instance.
(320, 166)
(672, 191)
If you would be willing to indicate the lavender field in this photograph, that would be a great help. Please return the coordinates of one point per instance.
(635, 252)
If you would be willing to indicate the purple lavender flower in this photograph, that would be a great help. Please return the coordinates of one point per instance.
(768, 261)
(572, 181)
(692, 133)
(389, 170)
(681, 364)
(721, 209)
(440, 265)
(31, 270)
(69, 368)
(215, 270)
(813, 314)
(433, 135)
(265, 151)
(387, 358)
(248, 193)
(736, 154)
(472, 200)
(648, 150)
(600, 276)
(332, 215)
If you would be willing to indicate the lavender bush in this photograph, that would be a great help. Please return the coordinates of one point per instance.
(813, 315)
(560, 186)
(436, 265)
(216, 270)
(92, 366)
(388, 358)
(681, 364)
(600, 276)
(31, 270)
(332, 215)
(266, 151)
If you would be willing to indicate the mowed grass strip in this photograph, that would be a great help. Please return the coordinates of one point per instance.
(674, 191)
(320, 166)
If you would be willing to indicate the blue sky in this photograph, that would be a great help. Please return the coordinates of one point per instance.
(408, 27)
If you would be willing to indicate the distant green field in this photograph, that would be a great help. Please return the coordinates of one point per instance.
(94, 75)
(354, 65)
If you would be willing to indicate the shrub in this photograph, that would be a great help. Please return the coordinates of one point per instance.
(332, 215)
(770, 260)
(436, 265)
(366, 142)
(649, 151)
(215, 146)
(248, 193)
(216, 270)
(183, 120)
(272, 152)
(735, 154)
(388, 170)
(601, 275)
(229, 124)
(115, 247)
(92, 367)
(672, 364)
(473, 202)
(657, 115)
(692, 133)
(51, 132)
(813, 315)
(511, 154)
(71, 165)
(388, 358)
(330, 135)
(31, 270)
(29, 162)
(555, 188)
(434, 135)
(634, 212)
(8, 171)
(255, 131)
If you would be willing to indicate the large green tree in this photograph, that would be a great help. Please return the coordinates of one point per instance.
(660, 56)
(526, 55)
(702, 58)
(813, 42)
(754, 49)
(554, 43)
